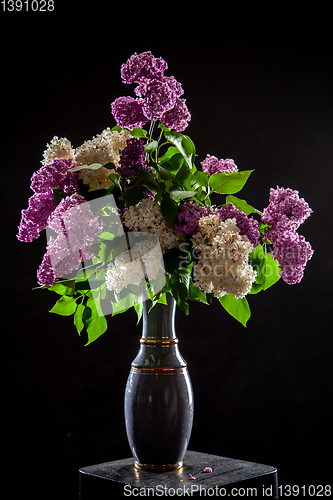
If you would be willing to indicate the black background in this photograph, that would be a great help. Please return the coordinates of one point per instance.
(259, 92)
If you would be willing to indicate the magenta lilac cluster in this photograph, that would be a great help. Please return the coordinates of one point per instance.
(286, 202)
(158, 96)
(189, 214)
(76, 227)
(41, 204)
(247, 225)
(213, 165)
(133, 159)
(284, 214)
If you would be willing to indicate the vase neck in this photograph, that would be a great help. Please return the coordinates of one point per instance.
(160, 321)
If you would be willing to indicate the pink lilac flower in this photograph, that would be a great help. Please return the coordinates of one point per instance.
(178, 117)
(140, 66)
(292, 252)
(285, 213)
(212, 165)
(128, 112)
(207, 469)
(77, 227)
(55, 175)
(189, 214)
(192, 477)
(34, 218)
(286, 202)
(247, 225)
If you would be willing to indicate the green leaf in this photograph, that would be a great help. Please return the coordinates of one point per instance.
(268, 270)
(199, 179)
(229, 183)
(238, 308)
(177, 194)
(169, 209)
(93, 166)
(65, 306)
(94, 321)
(78, 319)
(165, 174)
(115, 178)
(180, 294)
(58, 195)
(109, 165)
(116, 128)
(146, 179)
(184, 177)
(196, 294)
(183, 143)
(139, 309)
(172, 160)
(151, 146)
(65, 287)
(132, 196)
(242, 205)
(103, 250)
(271, 271)
(123, 304)
(139, 133)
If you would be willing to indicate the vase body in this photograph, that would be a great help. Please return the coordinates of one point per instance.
(159, 396)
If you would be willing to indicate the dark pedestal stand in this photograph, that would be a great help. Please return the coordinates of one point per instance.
(229, 477)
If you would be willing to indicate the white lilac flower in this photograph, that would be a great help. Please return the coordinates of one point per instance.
(102, 148)
(58, 148)
(144, 260)
(148, 217)
(223, 254)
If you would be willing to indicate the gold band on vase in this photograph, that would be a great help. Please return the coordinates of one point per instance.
(158, 340)
(157, 370)
(175, 466)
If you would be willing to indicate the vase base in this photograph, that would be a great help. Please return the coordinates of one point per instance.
(175, 466)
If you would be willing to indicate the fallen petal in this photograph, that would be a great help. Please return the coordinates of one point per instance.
(207, 469)
(192, 477)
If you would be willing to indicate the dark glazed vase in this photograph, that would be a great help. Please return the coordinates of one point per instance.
(159, 396)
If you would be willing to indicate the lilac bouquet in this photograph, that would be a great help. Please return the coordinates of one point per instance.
(129, 216)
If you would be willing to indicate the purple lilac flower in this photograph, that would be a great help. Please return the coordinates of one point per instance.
(45, 274)
(159, 98)
(207, 469)
(140, 66)
(292, 252)
(128, 112)
(189, 214)
(34, 218)
(286, 202)
(212, 165)
(76, 227)
(158, 95)
(178, 117)
(247, 225)
(55, 175)
(133, 159)
(172, 85)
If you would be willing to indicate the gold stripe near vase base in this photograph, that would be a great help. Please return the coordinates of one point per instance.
(156, 370)
(175, 466)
